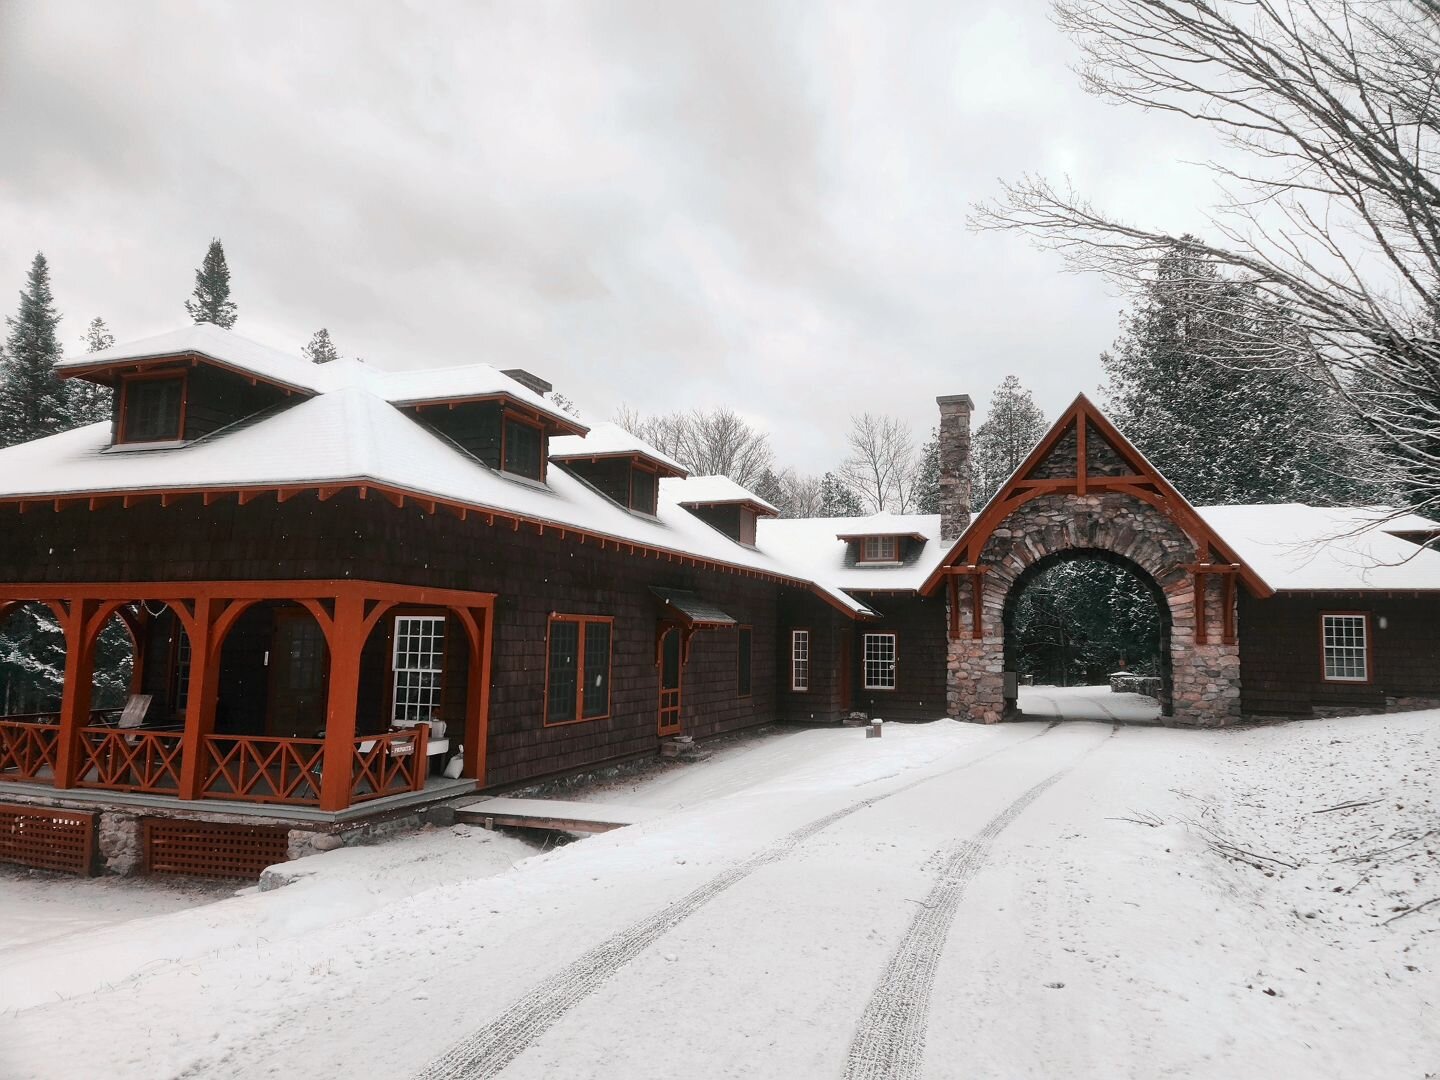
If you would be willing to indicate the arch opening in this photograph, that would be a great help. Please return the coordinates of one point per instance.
(1076, 617)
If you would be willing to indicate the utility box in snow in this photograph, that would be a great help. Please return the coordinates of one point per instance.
(874, 730)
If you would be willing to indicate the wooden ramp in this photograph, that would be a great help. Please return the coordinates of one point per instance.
(549, 814)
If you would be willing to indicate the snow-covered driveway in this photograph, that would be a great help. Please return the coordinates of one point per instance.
(1020, 901)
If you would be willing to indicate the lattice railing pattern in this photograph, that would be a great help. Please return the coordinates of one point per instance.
(256, 769)
(212, 848)
(118, 759)
(48, 839)
(389, 764)
(28, 750)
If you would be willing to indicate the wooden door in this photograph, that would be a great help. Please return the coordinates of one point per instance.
(847, 675)
(671, 677)
(299, 667)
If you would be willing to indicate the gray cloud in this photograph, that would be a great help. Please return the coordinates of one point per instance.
(660, 203)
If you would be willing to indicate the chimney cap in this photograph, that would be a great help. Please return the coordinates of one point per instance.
(529, 381)
(955, 399)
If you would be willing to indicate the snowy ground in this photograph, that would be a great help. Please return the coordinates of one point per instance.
(1016, 901)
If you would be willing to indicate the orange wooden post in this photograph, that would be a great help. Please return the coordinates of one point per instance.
(345, 635)
(201, 695)
(75, 695)
(477, 695)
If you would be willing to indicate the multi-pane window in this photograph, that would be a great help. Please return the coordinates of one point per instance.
(799, 659)
(879, 549)
(523, 447)
(879, 661)
(1346, 648)
(182, 671)
(577, 670)
(419, 667)
(743, 646)
(150, 409)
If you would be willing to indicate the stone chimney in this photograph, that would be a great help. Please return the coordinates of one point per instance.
(955, 412)
(529, 381)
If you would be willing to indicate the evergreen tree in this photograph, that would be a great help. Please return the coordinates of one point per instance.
(837, 499)
(321, 349)
(1193, 383)
(1012, 427)
(33, 400)
(563, 403)
(927, 476)
(211, 301)
(90, 402)
(771, 488)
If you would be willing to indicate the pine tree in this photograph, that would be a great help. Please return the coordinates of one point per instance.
(1192, 384)
(771, 488)
(1013, 425)
(321, 349)
(90, 402)
(211, 301)
(837, 499)
(927, 476)
(33, 400)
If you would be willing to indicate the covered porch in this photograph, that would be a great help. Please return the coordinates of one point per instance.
(303, 694)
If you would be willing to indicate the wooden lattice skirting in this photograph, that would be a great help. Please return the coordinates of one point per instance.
(212, 849)
(48, 839)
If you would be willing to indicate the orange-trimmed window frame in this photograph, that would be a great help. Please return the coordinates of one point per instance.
(122, 424)
(884, 549)
(1340, 642)
(576, 711)
(744, 661)
(653, 505)
(800, 659)
(508, 418)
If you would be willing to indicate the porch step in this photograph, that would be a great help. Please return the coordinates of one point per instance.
(556, 814)
(683, 748)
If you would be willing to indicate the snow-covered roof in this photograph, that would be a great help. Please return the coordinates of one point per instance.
(231, 350)
(352, 435)
(813, 546)
(1296, 547)
(710, 491)
(225, 347)
(609, 440)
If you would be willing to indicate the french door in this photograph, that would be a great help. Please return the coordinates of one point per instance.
(671, 678)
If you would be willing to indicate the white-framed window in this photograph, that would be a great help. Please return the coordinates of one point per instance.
(799, 659)
(879, 549)
(1346, 640)
(879, 661)
(419, 667)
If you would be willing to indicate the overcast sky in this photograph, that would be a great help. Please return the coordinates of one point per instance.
(663, 204)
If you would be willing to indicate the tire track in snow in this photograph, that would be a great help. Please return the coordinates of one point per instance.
(890, 1040)
(489, 1049)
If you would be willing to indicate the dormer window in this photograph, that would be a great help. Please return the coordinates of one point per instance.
(644, 487)
(880, 549)
(523, 449)
(152, 409)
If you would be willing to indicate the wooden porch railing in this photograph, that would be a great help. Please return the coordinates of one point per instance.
(252, 768)
(389, 764)
(130, 759)
(28, 748)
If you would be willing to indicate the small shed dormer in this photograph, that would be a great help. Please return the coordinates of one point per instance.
(880, 548)
(491, 415)
(723, 504)
(185, 385)
(618, 465)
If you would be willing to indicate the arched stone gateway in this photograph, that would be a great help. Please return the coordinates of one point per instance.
(1085, 490)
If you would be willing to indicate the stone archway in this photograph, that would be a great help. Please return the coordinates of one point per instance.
(1085, 488)
(1156, 593)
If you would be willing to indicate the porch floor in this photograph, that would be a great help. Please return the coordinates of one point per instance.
(437, 789)
(560, 814)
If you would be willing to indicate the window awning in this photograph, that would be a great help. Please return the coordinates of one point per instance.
(690, 609)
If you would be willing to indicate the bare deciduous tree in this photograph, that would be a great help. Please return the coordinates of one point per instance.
(708, 442)
(1335, 106)
(883, 468)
